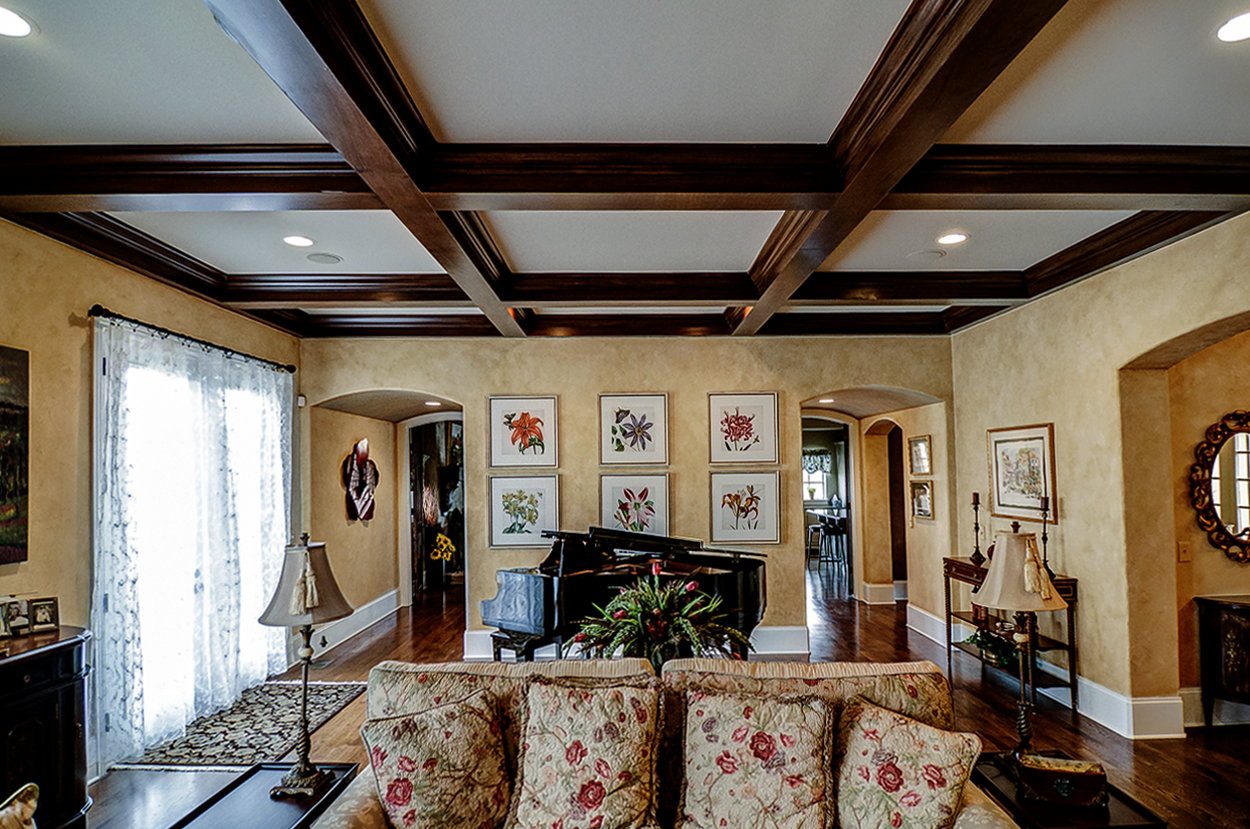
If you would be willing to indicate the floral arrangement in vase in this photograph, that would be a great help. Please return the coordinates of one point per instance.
(659, 622)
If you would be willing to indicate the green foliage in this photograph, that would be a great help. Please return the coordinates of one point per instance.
(656, 621)
(1000, 651)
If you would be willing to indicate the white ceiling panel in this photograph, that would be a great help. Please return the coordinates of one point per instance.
(629, 241)
(136, 71)
(1008, 240)
(634, 70)
(1121, 72)
(369, 241)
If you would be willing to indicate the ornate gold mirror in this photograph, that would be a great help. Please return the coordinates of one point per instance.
(1219, 485)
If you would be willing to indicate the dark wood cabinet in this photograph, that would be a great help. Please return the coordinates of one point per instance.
(43, 723)
(1224, 650)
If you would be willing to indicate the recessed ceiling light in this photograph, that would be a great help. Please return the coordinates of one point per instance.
(826, 400)
(325, 258)
(926, 255)
(1238, 28)
(297, 241)
(432, 403)
(952, 238)
(13, 24)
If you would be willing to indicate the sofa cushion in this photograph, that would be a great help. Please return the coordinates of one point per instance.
(443, 767)
(18, 809)
(898, 772)
(753, 760)
(587, 755)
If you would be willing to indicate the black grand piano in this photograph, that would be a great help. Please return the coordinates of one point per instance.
(541, 605)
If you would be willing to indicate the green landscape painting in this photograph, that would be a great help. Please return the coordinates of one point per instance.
(14, 453)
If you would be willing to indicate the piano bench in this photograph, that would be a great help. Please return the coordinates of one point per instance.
(521, 644)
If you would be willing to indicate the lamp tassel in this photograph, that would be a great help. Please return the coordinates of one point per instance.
(304, 597)
(1033, 580)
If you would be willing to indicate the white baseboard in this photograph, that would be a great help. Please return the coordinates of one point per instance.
(336, 633)
(900, 591)
(878, 593)
(771, 641)
(1223, 712)
(933, 627)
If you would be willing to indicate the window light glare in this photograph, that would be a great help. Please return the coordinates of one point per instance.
(297, 241)
(1236, 29)
(952, 238)
(13, 24)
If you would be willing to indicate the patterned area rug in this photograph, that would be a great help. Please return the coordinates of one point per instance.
(259, 728)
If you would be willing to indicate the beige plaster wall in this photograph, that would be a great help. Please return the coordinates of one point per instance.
(362, 553)
(1201, 390)
(46, 289)
(1058, 360)
(468, 370)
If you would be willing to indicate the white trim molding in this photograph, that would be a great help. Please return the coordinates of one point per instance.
(770, 641)
(878, 593)
(336, 633)
(900, 590)
(1224, 712)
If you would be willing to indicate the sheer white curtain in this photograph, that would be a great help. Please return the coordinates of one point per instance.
(192, 456)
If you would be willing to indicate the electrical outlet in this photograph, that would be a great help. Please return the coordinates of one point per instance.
(1183, 551)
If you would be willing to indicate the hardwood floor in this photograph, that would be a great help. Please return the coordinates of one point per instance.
(1200, 782)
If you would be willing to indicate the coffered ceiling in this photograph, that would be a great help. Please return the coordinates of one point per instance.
(652, 167)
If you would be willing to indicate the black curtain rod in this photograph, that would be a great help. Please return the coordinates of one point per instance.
(101, 311)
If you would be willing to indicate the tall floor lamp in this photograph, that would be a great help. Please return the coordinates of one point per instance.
(1017, 581)
(307, 595)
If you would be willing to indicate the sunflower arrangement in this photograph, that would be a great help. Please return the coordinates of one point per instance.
(658, 621)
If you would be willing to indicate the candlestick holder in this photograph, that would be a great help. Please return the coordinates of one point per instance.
(978, 558)
(1045, 508)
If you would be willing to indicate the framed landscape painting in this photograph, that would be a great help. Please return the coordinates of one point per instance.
(746, 507)
(521, 508)
(637, 503)
(633, 429)
(1022, 470)
(524, 431)
(742, 428)
(14, 453)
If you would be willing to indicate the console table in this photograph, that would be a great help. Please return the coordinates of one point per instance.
(1224, 649)
(245, 802)
(961, 569)
(43, 707)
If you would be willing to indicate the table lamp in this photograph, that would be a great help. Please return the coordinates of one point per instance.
(307, 595)
(1017, 581)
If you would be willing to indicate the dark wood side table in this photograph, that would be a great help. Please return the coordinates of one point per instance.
(1121, 812)
(1224, 649)
(246, 802)
(961, 569)
(43, 711)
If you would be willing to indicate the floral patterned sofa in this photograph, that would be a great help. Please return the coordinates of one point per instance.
(604, 744)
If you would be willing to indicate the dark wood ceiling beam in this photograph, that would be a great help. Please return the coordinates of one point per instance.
(941, 57)
(961, 317)
(1098, 177)
(912, 287)
(75, 179)
(627, 325)
(330, 64)
(342, 290)
(859, 324)
(397, 325)
(569, 290)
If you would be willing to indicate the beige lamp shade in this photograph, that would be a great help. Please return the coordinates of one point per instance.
(1016, 579)
(307, 593)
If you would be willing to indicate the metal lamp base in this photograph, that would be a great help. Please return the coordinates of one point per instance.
(301, 782)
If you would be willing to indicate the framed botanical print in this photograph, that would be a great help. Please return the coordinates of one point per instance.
(521, 508)
(524, 431)
(746, 507)
(1022, 471)
(922, 499)
(918, 450)
(633, 429)
(638, 503)
(742, 428)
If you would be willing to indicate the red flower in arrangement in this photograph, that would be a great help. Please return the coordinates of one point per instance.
(763, 746)
(727, 762)
(575, 752)
(933, 776)
(591, 795)
(377, 756)
(406, 764)
(620, 614)
(429, 764)
(399, 792)
(656, 567)
(889, 777)
(692, 586)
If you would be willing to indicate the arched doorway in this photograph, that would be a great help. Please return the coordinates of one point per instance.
(885, 508)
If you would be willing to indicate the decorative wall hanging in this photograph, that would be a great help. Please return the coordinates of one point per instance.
(360, 477)
(742, 428)
(524, 431)
(14, 453)
(633, 429)
(638, 503)
(746, 507)
(922, 499)
(1022, 472)
(521, 508)
(919, 452)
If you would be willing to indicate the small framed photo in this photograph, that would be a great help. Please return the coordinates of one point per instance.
(633, 429)
(638, 503)
(746, 507)
(4, 618)
(15, 613)
(524, 431)
(918, 449)
(922, 499)
(43, 614)
(1022, 472)
(521, 508)
(742, 428)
